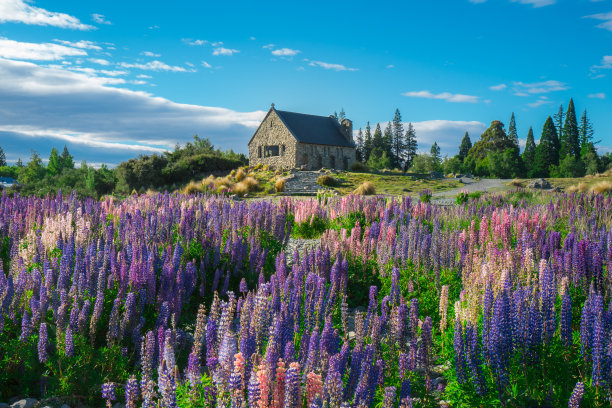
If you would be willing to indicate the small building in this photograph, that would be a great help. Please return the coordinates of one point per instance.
(6, 182)
(297, 140)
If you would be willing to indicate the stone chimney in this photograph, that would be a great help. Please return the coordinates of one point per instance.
(347, 129)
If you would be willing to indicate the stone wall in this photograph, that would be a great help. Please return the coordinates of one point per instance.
(273, 132)
(314, 156)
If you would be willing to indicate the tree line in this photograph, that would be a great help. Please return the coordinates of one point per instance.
(566, 148)
(157, 171)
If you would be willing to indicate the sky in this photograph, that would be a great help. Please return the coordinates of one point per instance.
(112, 80)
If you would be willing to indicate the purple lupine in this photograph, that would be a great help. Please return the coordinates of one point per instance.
(599, 335)
(132, 392)
(389, 397)
(42, 343)
(566, 319)
(108, 393)
(26, 326)
(292, 386)
(576, 397)
(69, 343)
(458, 345)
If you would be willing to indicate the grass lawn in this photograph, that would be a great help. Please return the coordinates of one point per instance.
(393, 183)
(564, 183)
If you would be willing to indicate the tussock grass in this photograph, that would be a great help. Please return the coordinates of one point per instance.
(578, 188)
(359, 167)
(279, 185)
(240, 175)
(516, 183)
(602, 187)
(366, 188)
(327, 180)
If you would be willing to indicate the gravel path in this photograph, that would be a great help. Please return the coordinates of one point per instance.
(471, 186)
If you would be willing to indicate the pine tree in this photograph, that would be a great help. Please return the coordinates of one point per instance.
(399, 144)
(435, 154)
(529, 152)
(388, 142)
(585, 130)
(411, 146)
(465, 146)
(19, 163)
(360, 145)
(341, 115)
(2, 158)
(570, 141)
(335, 116)
(67, 161)
(54, 166)
(367, 143)
(512, 133)
(547, 153)
(558, 118)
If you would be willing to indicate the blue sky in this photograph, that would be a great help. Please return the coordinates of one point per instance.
(116, 79)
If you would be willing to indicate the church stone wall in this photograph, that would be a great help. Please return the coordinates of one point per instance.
(271, 133)
(314, 156)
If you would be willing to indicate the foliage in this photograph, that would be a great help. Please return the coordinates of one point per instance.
(547, 152)
(327, 180)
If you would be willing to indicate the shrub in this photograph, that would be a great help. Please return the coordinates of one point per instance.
(602, 187)
(425, 196)
(366, 188)
(191, 188)
(516, 183)
(359, 167)
(240, 175)
(279, 185)
(327, 181)
(462, 197)
(252, 183)
(580, 188)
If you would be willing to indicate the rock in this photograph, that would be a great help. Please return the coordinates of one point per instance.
(539, 184)
(557, 189)
(13, 400)
(436, 175)
(4, 405)
(25, 403)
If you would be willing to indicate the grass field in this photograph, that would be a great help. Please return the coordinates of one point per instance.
(393, 184)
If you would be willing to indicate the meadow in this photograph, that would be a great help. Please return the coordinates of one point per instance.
(166, 300)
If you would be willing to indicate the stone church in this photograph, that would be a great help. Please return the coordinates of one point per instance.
(297, 140)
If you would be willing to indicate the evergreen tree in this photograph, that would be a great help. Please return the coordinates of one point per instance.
(67, 161)
(547, 153)
(512, 133)
(341, 115)
(399, 144)
(411, 146)
(529, 153)
(335, 116)
(2, 158)
(435, 155)
(465, 146)
(54, 166)
(33, 172)
(558, 119)
(570, 141)
(585, 130)
(388, 142)
(367, 143)
(19, 163)
(360, 145)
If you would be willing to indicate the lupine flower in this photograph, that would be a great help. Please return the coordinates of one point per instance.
(42, 343)
(108, 393)
(132, 392)
(576, 398)
(69, 344)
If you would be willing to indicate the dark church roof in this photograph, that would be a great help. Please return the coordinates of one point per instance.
(314, 129)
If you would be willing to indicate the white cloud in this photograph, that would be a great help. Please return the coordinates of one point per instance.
(154, 66)
(97, 72)
(46, 107)
(390, 66)
(100, 19)
(194, 42)
(36, 51)
(155, 27)
(99, 61)
(499, 87)
(143, 76)
(533, 88)
(285, 52)
(224, 51)
(446, 96)
(268, 46)
(542, 100)
(206, 64)
(335, 67)
(599, 95)
(88, 45)
(252, 38)
(18, 11)
(536, 3)
(150, 54)
(605, 17)
(606, 63)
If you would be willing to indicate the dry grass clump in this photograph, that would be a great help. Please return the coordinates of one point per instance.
(193, 188)
(239, 175)
(366, 188)
(279, 185)
(359, 167)
(580, 188)
(516, 183)
(247, 185)
(327, 180)
(602, 187)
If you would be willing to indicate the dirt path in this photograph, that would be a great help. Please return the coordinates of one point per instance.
(471, 186)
